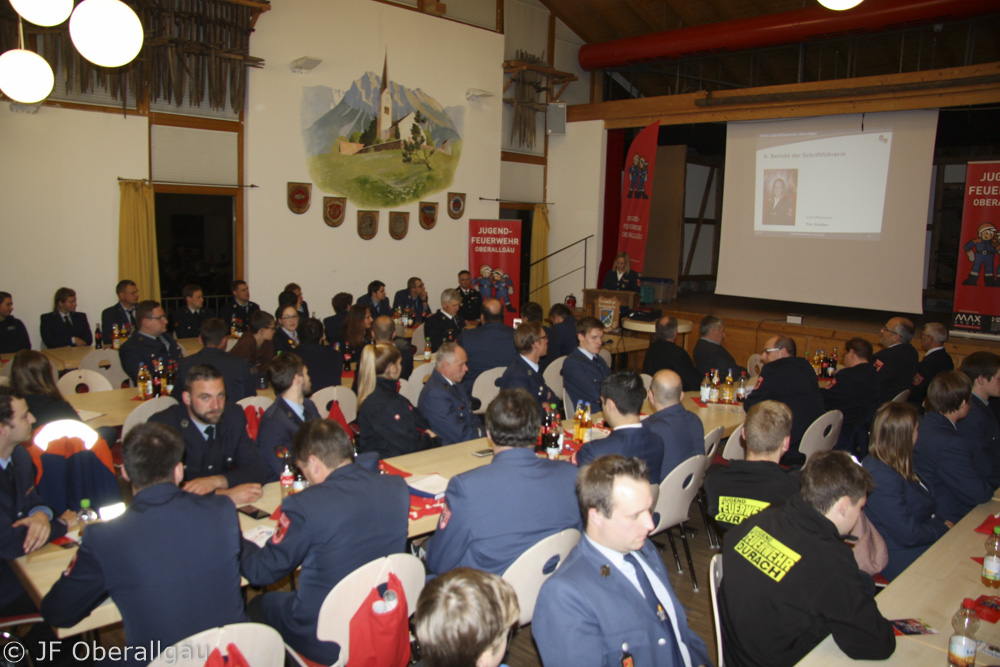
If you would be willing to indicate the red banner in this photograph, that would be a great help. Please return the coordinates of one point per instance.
(977, 283)
(495, 262)
(634, 225)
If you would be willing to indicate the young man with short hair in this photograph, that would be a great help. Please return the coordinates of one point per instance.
(584, 368)
(189, 318)
(123, 312)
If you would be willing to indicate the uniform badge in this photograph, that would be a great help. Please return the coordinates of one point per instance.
(185, 423)
(878, 365)
(918, 379)
(279, 531)
(760, 381)
(605, 571)
(396, 417)
(445, 517)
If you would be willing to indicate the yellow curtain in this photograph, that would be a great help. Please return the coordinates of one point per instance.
(539, 249)
(137, 260)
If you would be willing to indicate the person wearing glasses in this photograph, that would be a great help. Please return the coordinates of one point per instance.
(150, 340)
(936, 360)
(525, 373)
(897, 362)
(286, 337)
(414, 297)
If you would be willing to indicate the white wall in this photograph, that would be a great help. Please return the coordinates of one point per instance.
(443, 58)
(59, 188)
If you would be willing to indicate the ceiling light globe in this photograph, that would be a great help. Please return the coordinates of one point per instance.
(25, 77)
(106, 32)
(43, 12)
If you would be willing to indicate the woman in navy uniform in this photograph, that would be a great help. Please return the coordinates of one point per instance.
(621, 276)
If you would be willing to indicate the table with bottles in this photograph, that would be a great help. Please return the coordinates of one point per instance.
(69, 358)
(932, 589)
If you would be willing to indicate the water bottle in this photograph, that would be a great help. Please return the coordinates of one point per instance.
(87, 514)
(962, 645)
(991, 563)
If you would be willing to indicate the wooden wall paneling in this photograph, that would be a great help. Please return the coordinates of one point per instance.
(665, 239)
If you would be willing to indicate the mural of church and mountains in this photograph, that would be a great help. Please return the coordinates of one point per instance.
(380, 144)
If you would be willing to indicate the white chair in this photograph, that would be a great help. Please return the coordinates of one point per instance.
(345, 398)
(901, 396)
(676, 493)
(106, 362)
(822, 434)
(712, 440)
(260, 402)
(754, 363)
(82, 381)
(485, 387)
(647, 380)
(568, 405)
(553, 376)
(715, 580)
(145, 410)
(347, 596)
(259, 644)
(735, 449)
(605, 354)
(419, 341)
(417, 379)
(527, 573)
(410, 391)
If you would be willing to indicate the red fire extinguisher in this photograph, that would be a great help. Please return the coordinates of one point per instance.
(570, 302)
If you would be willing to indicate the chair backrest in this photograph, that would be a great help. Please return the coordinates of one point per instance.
(735, 449)
(82, 381)
(259, 644)
(146, 410)
(421, 373)
(569, 407)
(231, 342)
(410, 391)
(106, 362)
(754, 363)
(553, 376)
(677, 491)
(647, 380)
(605, 354)
(712, 440)
(901, 396)
(345, 397)
(822, 434)
(347, 596)
(485, 387)
(419, 341)
(529, 572)
(714, 581)
(261, 402)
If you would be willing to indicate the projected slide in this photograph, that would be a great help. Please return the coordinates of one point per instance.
(812, 183)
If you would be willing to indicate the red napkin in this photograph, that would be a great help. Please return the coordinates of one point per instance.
(421, 506)
(253, 420)
(978, 559)
(137, 398)
(275, 514)
(390, 469)
(986, 527)
(233, 659)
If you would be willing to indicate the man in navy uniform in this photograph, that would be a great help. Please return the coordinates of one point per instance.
(681, 430)
(490, 345)
(123, 312)
(241, 307)
(443, 401)
(936, 360)
(792, 381)
(170, 562)
(413, 297)
(564, 326)
(854, 391)
(584, 369)
(150, 340)
(708, 351)
(472, 302)
(897, 362)
(64, 326)
(980, 425)
(495, 513)
(187, 320)
(219, 456)
(376, 300)
(610, 602)
(665, 353)
(290, 380)
(525, 372)
(235, 371)
(445, 326)
(622, 394)
(346, 518)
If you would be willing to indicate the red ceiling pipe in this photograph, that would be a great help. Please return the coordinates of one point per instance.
(783, 28)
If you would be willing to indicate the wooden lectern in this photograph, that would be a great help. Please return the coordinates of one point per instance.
(605, 304)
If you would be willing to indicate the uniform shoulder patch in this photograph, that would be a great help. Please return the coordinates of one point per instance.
(878, 365)
(445, 516)
(279, 531)
(918, 380)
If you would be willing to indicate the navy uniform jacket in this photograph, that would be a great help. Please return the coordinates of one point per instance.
(235, 373)
(141, 349)
(402, 299)
(283, 342)
(303, 309)
(333, 327)
(630, 441)
(389, 424)
(381, 308)
(934, 362)
(472, 304)
(903, 512)
(896, 367)
(664, 354)
(854, 391)
(234, 454)
(496, 512)
(277, 429)
(566, 335)
(15, 504)
(55, 333)
(325, 365)
(519, 375)
(583, 617)
(13, 335)
(682, 433)
(330, 530)
(113, 315)
(170, 563)
(582, 377)
(792, 381)
(406, 358)
(188, 324)
(241, 312)
(487, 347)
(629, 281)
(946, 463)
(448, 410)
(442, 329)
(709, 355)
(983, 435)
(744, 488)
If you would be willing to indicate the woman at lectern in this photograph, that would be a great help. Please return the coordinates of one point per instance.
(621, 276)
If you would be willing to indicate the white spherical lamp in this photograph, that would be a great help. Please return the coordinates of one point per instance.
(43, 12)
(25, 76)
(106, 32)
(840, 5)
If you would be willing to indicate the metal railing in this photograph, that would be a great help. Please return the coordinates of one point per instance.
(572, 271)
(213, 303)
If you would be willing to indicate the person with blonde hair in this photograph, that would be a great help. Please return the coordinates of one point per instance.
(389, 424)
(621, 276)
(900, 507)
(465, 617)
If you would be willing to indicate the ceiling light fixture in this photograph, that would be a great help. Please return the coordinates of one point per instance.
(106, 32)
(43, 12)
(840, 5)
(25, 76)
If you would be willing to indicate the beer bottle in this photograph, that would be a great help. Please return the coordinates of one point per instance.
(98, 338)
(157, 376)
(991, 563)
(706, 389)
(741, 392)
(713, 394)
(116, 341)
(588, 423)
(427, 349)
(815, 361)
(727, 389)
(144, 383)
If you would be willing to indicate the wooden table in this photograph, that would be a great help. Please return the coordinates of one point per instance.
(117, 404)
(931, 589)
(69, 358)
